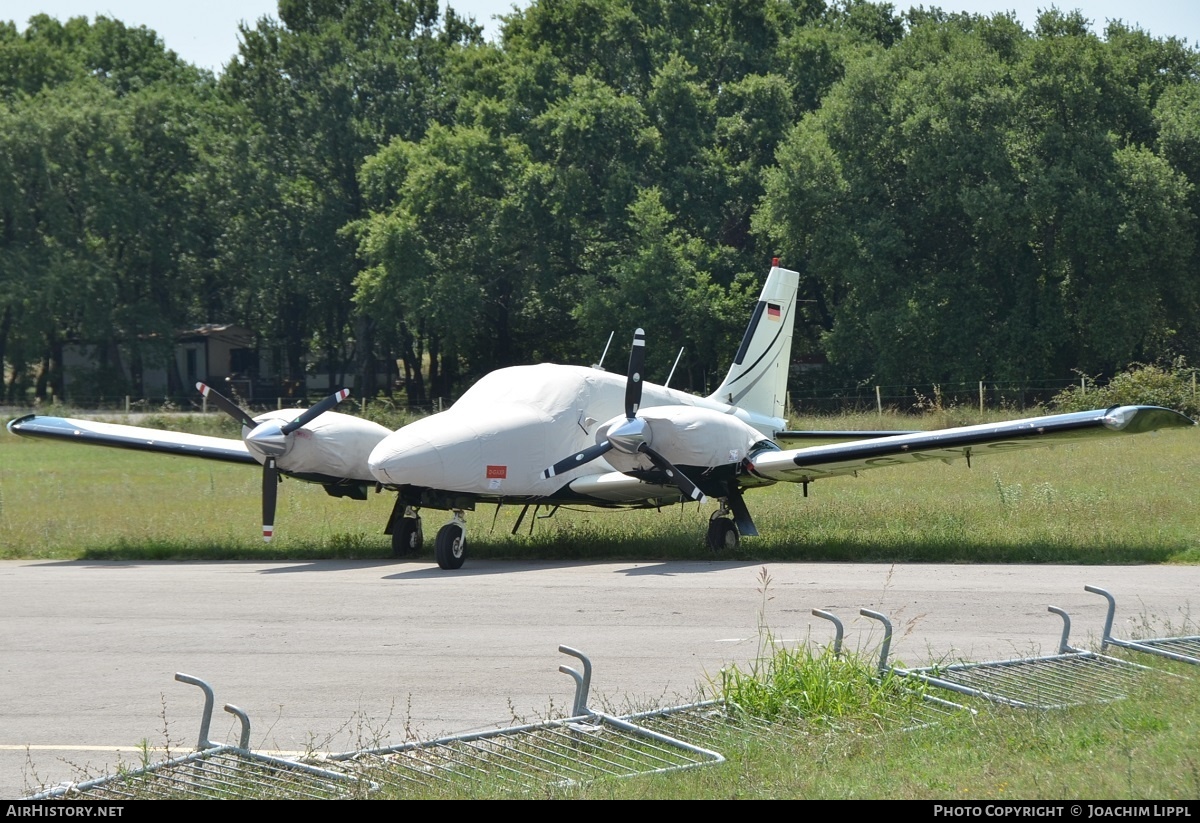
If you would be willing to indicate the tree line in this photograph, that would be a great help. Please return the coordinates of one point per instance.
(371, 181)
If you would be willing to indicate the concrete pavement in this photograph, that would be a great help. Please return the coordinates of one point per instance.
(336, 656)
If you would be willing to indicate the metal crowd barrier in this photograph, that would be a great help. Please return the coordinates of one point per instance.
(592, 745)
(1072, 677)
(1185, 649)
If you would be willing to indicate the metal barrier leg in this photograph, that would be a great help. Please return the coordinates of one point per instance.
(206, 718)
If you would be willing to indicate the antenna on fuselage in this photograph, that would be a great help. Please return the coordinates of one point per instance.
(600, 365)
(672, 374)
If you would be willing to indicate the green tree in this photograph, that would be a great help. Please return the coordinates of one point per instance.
(446, 251)
(321, 89)
(971, 203)
(97, 158)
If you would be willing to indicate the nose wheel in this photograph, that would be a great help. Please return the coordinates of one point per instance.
(451, 547)
(722, 534)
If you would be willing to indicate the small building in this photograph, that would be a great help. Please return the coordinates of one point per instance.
(223, 355)
(227, 358)
(230, 358)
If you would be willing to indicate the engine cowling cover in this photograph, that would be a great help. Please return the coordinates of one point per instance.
(687, 436)
(333, 445)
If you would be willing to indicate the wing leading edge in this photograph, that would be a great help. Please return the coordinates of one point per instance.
(812, 463)
(136, 438)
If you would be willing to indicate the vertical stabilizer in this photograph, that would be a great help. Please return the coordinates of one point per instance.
(757, 379)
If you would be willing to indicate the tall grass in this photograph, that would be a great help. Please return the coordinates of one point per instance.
(813, 686)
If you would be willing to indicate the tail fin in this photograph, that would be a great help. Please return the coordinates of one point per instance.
(757, 379)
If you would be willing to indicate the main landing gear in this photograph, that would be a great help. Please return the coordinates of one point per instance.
(408, 537)
(722, 531)
(451, 547)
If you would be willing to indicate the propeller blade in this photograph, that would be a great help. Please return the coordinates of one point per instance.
(311, 414)
(633, 385)
(681, 480)
(586, 456)
(270, 493)
(226, 405)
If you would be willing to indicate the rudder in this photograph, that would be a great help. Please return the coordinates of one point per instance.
(757, 378)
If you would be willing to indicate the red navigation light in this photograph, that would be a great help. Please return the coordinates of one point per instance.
(775, 262)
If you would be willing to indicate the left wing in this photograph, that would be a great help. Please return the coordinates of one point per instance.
(816, 437)
(966, 442)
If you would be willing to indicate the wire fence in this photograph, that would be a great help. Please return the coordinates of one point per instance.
(982, 396)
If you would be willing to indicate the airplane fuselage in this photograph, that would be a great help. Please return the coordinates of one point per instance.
(498, 437)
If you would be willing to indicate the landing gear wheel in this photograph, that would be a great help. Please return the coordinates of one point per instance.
(722, 535)
(451, 549)
(408, 539)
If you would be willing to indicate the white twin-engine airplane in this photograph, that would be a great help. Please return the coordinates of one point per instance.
(556, 435)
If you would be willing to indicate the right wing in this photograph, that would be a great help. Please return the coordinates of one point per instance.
(137, 438)
(966, 442)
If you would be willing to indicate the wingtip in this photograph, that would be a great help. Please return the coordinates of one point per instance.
(1139, 419)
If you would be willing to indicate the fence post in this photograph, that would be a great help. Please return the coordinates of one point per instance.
(127, 404)
(878, 402)
(981, 397)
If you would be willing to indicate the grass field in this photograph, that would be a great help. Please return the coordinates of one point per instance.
(1122, 500)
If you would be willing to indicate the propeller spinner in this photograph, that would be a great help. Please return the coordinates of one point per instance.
(269, 439)
(632, 436)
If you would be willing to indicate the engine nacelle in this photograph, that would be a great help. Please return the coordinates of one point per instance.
(333, 445)
(687, 436)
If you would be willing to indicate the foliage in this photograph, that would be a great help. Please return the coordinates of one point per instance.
(815, 685)
(977, 202)
(372, 187)
(1171, 386)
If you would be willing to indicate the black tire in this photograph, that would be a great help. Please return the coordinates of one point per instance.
(451, 549)
(722, 535)
(409, 538)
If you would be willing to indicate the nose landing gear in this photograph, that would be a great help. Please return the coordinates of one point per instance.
(451, 546)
